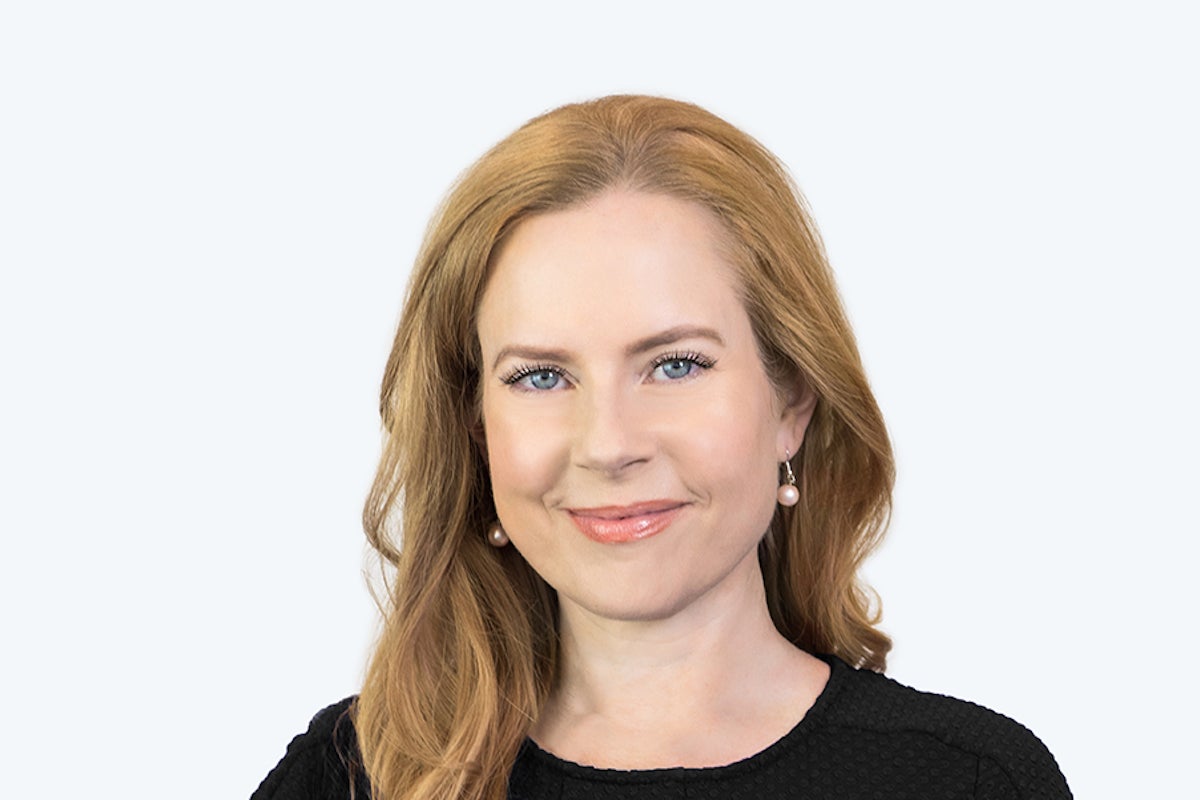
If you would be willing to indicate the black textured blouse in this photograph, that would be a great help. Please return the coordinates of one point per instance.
(865, 737)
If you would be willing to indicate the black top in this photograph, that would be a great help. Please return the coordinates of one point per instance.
(865, 737)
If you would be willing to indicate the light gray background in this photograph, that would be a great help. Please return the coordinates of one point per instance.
(207, 213)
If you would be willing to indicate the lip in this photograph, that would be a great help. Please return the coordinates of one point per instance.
(630, 523)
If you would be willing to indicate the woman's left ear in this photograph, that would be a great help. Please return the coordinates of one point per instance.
(801, 402)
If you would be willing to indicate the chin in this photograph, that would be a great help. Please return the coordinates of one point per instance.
(652, 604)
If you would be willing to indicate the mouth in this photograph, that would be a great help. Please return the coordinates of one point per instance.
(617, 524)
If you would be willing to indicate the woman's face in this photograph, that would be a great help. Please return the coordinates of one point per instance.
(632, 433)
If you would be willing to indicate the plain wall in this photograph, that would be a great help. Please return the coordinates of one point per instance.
(208, 213)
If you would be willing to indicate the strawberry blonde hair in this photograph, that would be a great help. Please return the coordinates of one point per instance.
(468, 651)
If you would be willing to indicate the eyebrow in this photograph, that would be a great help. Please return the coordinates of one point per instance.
(669, 336)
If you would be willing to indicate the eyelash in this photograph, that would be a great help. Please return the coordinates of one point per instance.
(519, 373)
(701, 361)
(525, 370)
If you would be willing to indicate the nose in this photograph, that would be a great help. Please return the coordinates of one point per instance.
(612, 435)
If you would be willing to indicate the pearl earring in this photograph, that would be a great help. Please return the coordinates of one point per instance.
(496, 536)
(788, 493)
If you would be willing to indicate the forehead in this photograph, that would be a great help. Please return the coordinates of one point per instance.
(624, 263)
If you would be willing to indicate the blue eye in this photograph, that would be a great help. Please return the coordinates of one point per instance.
(535, 378)
(543, 379)
(678, 366)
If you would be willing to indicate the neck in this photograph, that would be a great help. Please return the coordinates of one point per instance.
(695, 688)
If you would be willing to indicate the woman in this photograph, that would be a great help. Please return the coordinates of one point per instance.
(632, 467)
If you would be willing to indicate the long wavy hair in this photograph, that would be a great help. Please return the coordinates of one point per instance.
(468, 651)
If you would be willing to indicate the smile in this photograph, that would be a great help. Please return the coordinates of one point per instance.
(617, 524)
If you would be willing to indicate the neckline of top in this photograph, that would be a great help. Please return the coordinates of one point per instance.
(839, 672)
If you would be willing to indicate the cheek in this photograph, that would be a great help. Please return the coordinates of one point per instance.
(735, 436)
(522, 457)
(744, 476)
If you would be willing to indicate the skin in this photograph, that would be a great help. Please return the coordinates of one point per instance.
(620, 367)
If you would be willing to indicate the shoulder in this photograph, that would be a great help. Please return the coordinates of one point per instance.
(1010, 761)
(323, 762)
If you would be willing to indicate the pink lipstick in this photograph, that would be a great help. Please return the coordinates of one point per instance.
(616, 524)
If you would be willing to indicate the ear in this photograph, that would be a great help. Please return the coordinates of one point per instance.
(799, 404)
(479, 437)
